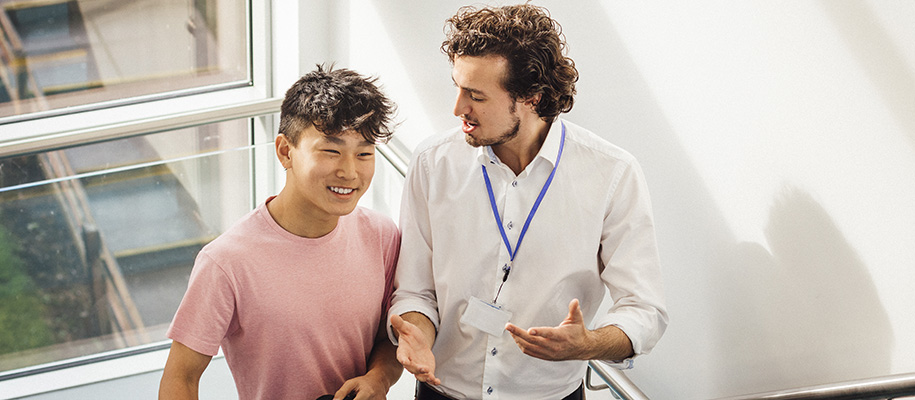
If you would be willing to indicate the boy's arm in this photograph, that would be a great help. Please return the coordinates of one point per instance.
(182, 373)
(383, 371)
(383, 361)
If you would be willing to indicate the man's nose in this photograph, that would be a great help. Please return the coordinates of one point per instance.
(461, 105)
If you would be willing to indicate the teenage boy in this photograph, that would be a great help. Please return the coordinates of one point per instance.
(297, 291)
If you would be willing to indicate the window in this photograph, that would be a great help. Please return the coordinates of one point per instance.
(131, 134)
(97, 241)
(93, 53)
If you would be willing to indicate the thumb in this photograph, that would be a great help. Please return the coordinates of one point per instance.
(396, 324)
(575, 315)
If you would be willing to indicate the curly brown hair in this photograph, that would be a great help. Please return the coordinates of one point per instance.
(530, 40)
(335, 101)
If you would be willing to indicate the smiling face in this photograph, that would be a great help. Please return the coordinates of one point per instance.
(327, 175)
(488, 113)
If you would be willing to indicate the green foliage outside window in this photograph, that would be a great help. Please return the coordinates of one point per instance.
(22, 320)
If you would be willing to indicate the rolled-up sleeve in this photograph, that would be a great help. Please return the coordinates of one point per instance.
(414, 283)
(629, 254)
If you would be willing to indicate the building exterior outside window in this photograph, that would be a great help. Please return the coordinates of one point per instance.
(85, 54)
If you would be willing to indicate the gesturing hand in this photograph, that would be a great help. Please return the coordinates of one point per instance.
(414, 351)
(568, 341)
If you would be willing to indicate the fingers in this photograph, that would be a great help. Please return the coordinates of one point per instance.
(416, 366)
(514, 330)
(411, 366)
(420, 372)
(428, 378)
(526, 341)
(348, 387)
(550, 343)
(532, 335)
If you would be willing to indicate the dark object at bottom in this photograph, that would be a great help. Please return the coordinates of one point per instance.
(350, 396)
(425, 392)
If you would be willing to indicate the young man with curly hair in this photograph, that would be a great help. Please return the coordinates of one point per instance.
(516, 224)
(296, 292)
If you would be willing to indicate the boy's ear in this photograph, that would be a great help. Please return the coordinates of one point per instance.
(284, 150)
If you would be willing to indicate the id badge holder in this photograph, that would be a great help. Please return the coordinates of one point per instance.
(485, 316)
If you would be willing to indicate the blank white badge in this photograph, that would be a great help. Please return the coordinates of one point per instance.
(485, 316)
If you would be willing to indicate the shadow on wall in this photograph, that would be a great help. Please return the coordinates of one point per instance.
(822, 313)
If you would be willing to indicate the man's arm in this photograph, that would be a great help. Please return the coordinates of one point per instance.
(571, 340)
(416, 335)
(183, 369)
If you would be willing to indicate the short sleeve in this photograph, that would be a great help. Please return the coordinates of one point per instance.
(207, 311)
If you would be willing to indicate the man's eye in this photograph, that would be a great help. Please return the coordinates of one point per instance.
(472, 97)
(331, 151)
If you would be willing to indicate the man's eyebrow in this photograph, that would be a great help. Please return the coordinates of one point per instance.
(471, 90)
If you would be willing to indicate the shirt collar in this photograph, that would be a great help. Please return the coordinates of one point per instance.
(548, 151)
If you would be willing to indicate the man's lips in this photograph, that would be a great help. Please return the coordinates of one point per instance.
(468, 126)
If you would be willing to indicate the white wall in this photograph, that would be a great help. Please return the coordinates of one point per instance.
(778, 139)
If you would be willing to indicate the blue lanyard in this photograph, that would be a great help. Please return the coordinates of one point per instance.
(495, 212)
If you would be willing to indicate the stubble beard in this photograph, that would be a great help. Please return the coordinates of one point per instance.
(505, 137)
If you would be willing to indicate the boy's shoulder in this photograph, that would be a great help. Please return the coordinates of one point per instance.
(372, 220)
(241, 237)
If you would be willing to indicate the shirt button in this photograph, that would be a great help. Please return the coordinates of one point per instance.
(494, 351)
(514, 183)
(489, 391)
(510, 225)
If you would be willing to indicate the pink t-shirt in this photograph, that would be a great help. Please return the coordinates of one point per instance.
(296, 317)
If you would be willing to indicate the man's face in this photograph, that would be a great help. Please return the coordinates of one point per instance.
(488, 113)
(330, 173)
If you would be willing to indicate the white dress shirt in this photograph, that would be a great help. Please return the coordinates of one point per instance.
(594, 231)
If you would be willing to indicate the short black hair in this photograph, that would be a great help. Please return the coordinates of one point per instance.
(335, 101)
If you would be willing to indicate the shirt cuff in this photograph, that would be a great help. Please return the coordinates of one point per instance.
(402, 306)
(621, 365)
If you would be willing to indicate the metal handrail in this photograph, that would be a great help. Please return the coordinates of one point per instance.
(617, 381)
(882, 388)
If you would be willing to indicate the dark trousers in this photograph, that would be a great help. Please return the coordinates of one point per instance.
(425, 392)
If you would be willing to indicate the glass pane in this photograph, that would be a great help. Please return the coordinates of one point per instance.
(97, 241)
(384, 193)
(60, 53)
